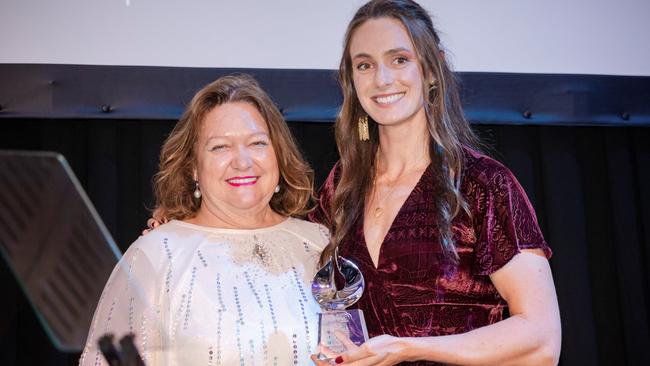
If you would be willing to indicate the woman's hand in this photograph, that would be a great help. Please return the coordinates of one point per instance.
(152, 224)
(383, 350)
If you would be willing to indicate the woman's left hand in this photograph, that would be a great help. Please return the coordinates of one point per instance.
(383, 350)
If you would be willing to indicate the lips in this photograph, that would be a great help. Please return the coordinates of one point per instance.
(242, 181)
(387, 99)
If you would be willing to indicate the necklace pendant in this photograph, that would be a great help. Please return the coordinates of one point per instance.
(378, 212)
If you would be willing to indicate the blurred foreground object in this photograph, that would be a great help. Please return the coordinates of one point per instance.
(54, 242)
(127, 355)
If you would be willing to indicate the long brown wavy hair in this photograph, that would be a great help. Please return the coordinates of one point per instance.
(448, 128)
(174, 182)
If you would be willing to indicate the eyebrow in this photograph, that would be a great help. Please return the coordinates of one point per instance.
(261, 133)
(392, 51)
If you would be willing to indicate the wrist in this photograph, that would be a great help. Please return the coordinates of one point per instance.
(410, 349)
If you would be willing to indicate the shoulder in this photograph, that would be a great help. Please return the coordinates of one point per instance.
(169, 239)
(315, 234)
(486, 173)
(482, 168)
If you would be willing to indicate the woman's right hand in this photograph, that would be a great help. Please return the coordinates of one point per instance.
(152, 224)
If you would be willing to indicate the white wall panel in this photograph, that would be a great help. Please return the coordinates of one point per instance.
(550, 36)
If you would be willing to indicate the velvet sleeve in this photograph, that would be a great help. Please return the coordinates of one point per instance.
(506, 222)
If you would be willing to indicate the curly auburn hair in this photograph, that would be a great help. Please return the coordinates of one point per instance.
(173, 184)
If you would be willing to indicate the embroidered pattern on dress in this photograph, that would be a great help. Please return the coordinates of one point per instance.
(202, 258)
(143, 337)
(189, 299)
(238, 324)
(268, 299)
(220, 311)
(266, 287)
(168, 276)
(129, 277)
(250, 285)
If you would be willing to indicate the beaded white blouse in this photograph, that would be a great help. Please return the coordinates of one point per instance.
(194, 295)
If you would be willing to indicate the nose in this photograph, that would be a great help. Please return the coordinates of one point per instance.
(383, 76)
(242, 159)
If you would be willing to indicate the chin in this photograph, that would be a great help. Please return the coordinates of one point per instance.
(390, 120)
(395, 117)
(247, 203)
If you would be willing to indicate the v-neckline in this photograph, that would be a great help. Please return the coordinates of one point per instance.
(399, 212)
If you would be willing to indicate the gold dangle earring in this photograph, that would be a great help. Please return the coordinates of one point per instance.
(364, 132)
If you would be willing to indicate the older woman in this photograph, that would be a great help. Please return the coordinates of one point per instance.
(226, 280)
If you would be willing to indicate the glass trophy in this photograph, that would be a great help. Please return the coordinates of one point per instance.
(59, 250)
(335, 320)
(54, 242)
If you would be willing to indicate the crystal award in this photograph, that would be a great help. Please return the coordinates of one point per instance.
(334, 317)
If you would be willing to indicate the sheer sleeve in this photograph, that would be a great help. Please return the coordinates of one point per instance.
(130, 304)
(321, 214)
(505, 221)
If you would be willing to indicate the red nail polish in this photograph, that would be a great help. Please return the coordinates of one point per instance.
(338, 360)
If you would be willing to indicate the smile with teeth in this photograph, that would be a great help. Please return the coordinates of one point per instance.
(242, 181)
(388, 99)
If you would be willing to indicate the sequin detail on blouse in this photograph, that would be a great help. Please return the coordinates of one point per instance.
(207, 296)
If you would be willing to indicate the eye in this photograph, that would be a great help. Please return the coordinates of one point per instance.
(363, 66)
(400, 60)
(218, 147)
(260, 143)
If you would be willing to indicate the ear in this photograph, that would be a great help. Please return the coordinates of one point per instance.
(442, 55)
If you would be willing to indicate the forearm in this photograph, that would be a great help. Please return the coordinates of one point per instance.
(530, 336)
(514, 341)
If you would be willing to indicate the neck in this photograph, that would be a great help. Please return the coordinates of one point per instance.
(403, 147)
(214, 216)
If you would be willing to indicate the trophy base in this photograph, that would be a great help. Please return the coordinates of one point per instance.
(346, 323)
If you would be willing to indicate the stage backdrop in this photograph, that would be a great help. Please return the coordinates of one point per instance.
(590, 187)
(560, 90)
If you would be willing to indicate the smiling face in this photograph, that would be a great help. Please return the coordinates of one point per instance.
(237, 169)
(386, 73)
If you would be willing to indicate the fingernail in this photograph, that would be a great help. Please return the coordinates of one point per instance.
(338, 360)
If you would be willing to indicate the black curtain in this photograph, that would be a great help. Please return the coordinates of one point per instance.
(590, 187)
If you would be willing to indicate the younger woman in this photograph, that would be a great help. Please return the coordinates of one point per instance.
(444, 235)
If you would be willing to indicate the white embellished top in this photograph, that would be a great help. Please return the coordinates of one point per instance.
(194, 295)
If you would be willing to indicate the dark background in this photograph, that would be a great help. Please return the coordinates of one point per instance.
(586, 171)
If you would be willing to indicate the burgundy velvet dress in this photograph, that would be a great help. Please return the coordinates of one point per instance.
(414, 292)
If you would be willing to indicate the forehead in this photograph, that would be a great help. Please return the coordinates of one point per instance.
(233, 118)
(376, 36)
